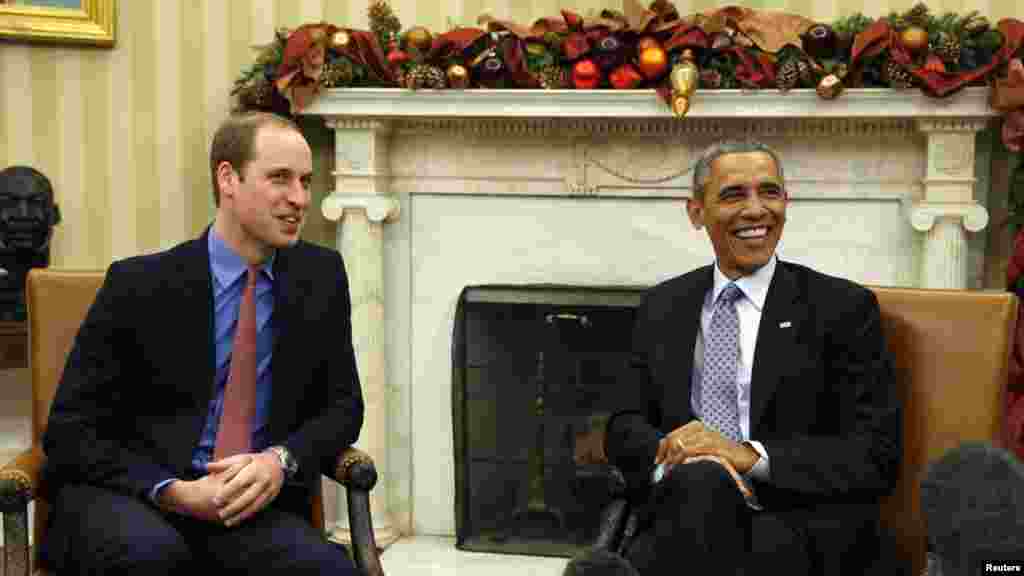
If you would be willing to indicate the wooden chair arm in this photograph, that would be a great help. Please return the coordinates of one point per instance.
(19, 479)
(356, 472)
(355, 469)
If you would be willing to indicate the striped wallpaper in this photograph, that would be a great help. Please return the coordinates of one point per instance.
(123, 133)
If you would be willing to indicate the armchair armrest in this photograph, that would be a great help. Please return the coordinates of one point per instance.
(355, 469)
(19, 479)
(356, 472)
(19, 484)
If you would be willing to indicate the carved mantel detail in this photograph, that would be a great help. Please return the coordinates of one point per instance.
(924, 215)
(378, 208)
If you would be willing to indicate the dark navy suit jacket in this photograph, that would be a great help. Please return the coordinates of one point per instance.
(137, 384)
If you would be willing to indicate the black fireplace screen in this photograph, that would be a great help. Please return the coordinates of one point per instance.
(534, 381)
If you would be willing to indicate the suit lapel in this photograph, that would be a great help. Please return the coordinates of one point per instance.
(682, 326)
(781, 320)
(285, 311)
(195, 342)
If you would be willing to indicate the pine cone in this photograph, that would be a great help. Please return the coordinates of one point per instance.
(806, 72)
(552, 77)
(338, 72)
(918, 15)
(947, 47)
(257, 95)
(383, 21)
(897, 76)
(425, 76)
(787, 75)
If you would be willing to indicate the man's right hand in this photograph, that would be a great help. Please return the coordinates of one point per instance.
(195, 498)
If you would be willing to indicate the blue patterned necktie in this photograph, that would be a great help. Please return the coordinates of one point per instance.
(719, 406)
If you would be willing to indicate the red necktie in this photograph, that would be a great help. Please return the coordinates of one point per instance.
(234, 434)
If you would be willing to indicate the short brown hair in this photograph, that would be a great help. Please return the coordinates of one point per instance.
(235, 142)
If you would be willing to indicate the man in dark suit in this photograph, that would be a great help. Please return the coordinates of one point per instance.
(766, 428)
(209, 387)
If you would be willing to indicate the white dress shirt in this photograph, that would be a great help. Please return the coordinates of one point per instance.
(748, 307)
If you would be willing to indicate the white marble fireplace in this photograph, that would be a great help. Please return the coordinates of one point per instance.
(438, 190)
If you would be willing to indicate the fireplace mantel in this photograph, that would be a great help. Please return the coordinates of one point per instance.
(435, 190)
(863, 103)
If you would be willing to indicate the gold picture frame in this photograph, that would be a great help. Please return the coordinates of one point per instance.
(92, 23)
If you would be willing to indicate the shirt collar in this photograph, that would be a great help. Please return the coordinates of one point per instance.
(227, 265)
(754, 286)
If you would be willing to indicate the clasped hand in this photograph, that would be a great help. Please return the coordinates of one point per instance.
(234, 489)
(694, 439)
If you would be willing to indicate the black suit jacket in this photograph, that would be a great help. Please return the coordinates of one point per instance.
(135, 391)
(823, 398)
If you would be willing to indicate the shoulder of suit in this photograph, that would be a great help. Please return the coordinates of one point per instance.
(678, 286)
(814, 282)
(153, 261)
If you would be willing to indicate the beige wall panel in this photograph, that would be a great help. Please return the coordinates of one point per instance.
(124, 198)
(16, 89)
(171, 196)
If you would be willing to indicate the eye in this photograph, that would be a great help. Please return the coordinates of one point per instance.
(772, 192)
(731, 194)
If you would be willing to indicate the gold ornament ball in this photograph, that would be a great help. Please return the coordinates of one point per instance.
(830, 87)
(419, 38)
(914, 38)
(458, 76)
(653, 62)
(341, 39)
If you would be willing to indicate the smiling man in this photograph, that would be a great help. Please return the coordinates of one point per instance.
(765, 429)
(209, 387)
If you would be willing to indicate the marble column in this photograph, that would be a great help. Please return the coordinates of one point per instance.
(947, 209)
(361, 203)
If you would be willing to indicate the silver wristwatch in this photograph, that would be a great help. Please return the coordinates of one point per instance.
(288, 463)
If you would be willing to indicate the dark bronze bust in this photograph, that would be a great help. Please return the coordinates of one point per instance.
(27, 217)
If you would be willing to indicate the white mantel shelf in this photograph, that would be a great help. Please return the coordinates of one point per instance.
(969, 103)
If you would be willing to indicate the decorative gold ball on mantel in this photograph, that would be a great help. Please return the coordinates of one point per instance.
(458, 76)
(341, 39)
(914, 38)
(419, 38)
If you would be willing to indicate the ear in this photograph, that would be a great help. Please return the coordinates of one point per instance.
(227, 178)
(695, 210)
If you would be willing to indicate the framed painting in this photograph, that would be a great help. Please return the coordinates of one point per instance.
(59, 21)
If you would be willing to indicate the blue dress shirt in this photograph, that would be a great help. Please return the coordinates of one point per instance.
(229, 274)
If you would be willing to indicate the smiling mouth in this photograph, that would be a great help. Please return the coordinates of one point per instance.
(755, 233)
(294, 220)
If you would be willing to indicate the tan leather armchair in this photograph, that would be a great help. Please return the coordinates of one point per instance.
(951, 351)
(57, 302)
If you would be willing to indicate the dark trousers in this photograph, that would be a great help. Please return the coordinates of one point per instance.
(697, 522)
(96, 531)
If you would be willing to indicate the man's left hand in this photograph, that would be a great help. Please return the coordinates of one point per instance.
(696, 439)
(250, 490)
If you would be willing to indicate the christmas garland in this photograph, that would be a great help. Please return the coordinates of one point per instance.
(653, 47)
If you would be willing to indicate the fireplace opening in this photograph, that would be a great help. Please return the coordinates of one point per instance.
(533, 383)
